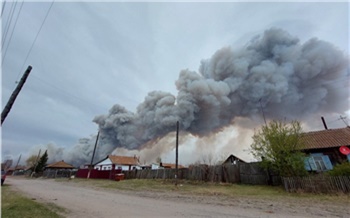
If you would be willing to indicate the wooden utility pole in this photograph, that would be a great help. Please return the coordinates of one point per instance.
(13, 97)
(262, 112)
(93, 155)
(176, 152)
(17, 164)
(36, 163)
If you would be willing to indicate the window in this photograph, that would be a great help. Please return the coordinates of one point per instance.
(318, 162)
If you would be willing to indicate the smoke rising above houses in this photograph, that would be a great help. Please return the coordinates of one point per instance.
(274, 71)
(291, 79)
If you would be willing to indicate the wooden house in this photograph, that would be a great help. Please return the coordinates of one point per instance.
(58, 170)
(323, 148)
(233, 160)
(59, 165)
(118, 162)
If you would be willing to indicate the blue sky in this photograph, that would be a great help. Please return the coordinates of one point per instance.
(90, 56)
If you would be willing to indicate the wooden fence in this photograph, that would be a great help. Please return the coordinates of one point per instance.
(317, 184)
(59, 173)
(245, 173)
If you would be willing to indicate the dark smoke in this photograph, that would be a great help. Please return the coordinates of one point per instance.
(288, 79)
(274, 72)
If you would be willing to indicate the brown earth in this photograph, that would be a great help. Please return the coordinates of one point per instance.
(85, 201)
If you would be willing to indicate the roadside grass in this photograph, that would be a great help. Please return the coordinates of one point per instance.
(13, 204)
(199, 188)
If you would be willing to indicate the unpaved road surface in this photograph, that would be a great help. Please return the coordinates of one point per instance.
(91, 202)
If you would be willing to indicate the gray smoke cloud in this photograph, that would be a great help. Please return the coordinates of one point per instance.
(274, 71)
(288, 79)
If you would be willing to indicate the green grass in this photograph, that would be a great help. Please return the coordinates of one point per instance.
(186, 187)
(13, 204)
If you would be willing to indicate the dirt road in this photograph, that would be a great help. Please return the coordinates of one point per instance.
(88, 202)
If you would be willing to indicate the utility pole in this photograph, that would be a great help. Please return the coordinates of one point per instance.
(177, 151)
(93, 155)
(344, 120)
(17, 164)
(13, 97)
(262, 111)
(36, 163)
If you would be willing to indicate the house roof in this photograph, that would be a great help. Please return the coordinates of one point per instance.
(326, 138)
(172, 166)
(17, 168)
(232, 157)
(61, 165)
(123, 160)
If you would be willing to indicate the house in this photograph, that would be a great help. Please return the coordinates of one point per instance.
(59, 165)
(233, 160)
(19, 170)
(59, 169)
(119, 162)
(323, 148)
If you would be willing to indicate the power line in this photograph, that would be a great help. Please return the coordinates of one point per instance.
(36, 37)
(65, 92)
(13, 29)
(3, 7)
(8, 22)
(344, 120)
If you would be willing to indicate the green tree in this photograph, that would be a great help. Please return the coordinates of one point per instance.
(41, 163)
(31, 161)
(276, 144)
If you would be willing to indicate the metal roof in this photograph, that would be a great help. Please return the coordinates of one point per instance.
(326, 138)
(124, 160)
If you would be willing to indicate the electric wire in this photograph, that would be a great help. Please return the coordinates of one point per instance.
(3, 7)
(65, 92)
(13, 29)
(8, 22)
(36, 37)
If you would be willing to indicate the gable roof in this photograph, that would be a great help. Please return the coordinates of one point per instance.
(60, 165)
(326, 138)
(123, 160)
(231, 158)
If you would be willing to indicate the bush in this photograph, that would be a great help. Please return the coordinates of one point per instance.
(340, 170)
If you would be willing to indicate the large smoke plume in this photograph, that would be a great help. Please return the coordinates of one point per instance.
(289, 79)
(273, 72)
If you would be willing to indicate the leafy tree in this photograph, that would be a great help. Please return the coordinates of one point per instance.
(31, 161)
(276, 144)
(41, 163)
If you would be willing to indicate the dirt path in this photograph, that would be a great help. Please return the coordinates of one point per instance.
(87, 202)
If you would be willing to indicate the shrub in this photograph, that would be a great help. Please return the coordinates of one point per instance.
(340, 170)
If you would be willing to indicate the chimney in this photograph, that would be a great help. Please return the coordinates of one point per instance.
(324, 123)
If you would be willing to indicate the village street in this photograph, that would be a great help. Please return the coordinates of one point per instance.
(94, 202)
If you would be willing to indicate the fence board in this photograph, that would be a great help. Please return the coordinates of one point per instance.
(317, 184)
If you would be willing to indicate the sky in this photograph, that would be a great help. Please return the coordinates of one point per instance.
(87, 57)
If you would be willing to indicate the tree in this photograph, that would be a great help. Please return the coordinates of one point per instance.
(41, 163)
(31, 161)
(276, 144)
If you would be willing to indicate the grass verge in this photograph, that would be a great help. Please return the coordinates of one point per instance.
(196, 188)
(13, 204)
